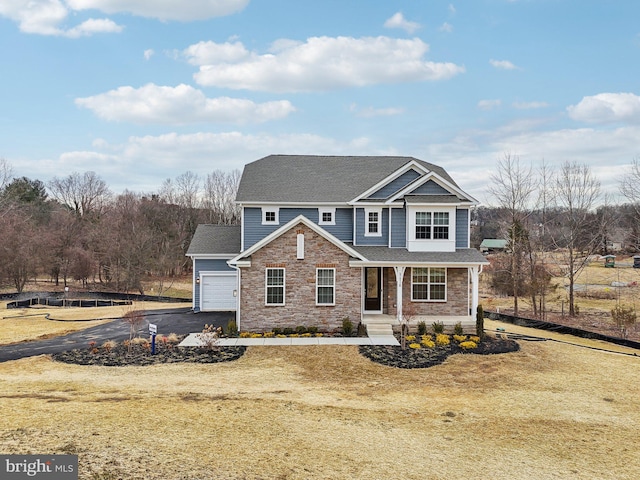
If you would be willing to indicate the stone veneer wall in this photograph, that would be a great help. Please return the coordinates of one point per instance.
(300, 285)
(457, 294)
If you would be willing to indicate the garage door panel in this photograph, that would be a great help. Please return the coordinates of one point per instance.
(217, 292)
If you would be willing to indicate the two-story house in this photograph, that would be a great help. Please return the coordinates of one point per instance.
(328, 237)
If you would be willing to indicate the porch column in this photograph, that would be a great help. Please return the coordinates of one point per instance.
(399, 271)
(475, 277)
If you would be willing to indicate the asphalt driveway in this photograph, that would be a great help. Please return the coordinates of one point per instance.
(180, 321)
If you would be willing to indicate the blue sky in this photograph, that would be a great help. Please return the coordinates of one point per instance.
(143, 90)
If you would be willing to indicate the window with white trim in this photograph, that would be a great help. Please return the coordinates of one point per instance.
(373, 224)
(325, 286)
(428, 284)
(326, 216)
(270, 216)
(432, 226)
(274, 286)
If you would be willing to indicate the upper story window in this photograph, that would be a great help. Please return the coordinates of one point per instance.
(326, 216)
(274, 286)
(373, 219)
(432, 226)
(270, 216)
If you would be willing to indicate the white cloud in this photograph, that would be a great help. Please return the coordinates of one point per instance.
(607, 108)
(452, 9)
(370, 112)
(149, 53)
(164, 9)
(397, 20)
(503, 64)
(153, 104)
(446, 27)
(529, 105)
(46, 17)
(320, 63)
(148, 160)
(207, 53)
(489, 104)
(92, 26)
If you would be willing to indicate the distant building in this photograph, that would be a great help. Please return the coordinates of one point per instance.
(492, 245)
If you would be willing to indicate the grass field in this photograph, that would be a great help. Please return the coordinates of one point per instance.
(549, 411)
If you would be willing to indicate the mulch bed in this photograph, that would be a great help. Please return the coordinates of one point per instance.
(428, 357)
(140, 355)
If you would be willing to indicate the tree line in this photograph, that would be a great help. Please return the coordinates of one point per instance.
(539, 210)
(76, 228)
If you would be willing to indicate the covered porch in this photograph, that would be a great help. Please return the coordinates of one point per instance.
(413, 287)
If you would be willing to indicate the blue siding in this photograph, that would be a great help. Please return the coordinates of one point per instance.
(254, 231)
(462, 228)
(430, 188)
(399, 227)
(395, 185)
(207, 265)
(361, 226)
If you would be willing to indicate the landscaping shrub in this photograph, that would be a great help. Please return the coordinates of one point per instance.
(300, 329)
(457, 329)
(288, 331)
(232, 328)
(422, 328)
(362, 330)
(277, 331)
(480, 322)
(437, 327)
(312, 330)
(347, 326)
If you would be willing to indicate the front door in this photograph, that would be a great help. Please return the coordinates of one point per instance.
(372, 289)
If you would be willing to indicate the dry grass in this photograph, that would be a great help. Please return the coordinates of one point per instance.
(24, 324)
(549, 411)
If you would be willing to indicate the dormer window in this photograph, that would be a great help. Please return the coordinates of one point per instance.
(372, 217)
(326, 216)
(432, 226)
(270, 216)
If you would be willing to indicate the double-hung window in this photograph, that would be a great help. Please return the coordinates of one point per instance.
(373, 223)
(429, 284)
(325, 286)
(274, 286)
(432, 226)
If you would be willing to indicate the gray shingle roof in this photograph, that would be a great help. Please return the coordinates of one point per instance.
(401, 255)
(314, 178)
(215, 239)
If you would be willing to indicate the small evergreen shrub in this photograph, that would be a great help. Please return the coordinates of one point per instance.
(300, 329)
(457, 329)
(422, 328)
(288, 331)
(480, 322)
(312, 330)
(362, 330)
(277, 331)
(347, 326)
(437, 327)
(232, 328)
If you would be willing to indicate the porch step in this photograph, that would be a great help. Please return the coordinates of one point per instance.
(379, 329)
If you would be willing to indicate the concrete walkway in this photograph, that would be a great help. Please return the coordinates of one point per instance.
(193, 340)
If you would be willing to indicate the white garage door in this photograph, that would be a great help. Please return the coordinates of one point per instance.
(217, 292)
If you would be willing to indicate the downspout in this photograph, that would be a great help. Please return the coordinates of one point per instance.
(238, 282)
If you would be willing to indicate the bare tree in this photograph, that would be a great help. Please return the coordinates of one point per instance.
(630, 184)
(577, 192)
(220, 189)
(512, 188)
(85, 194)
